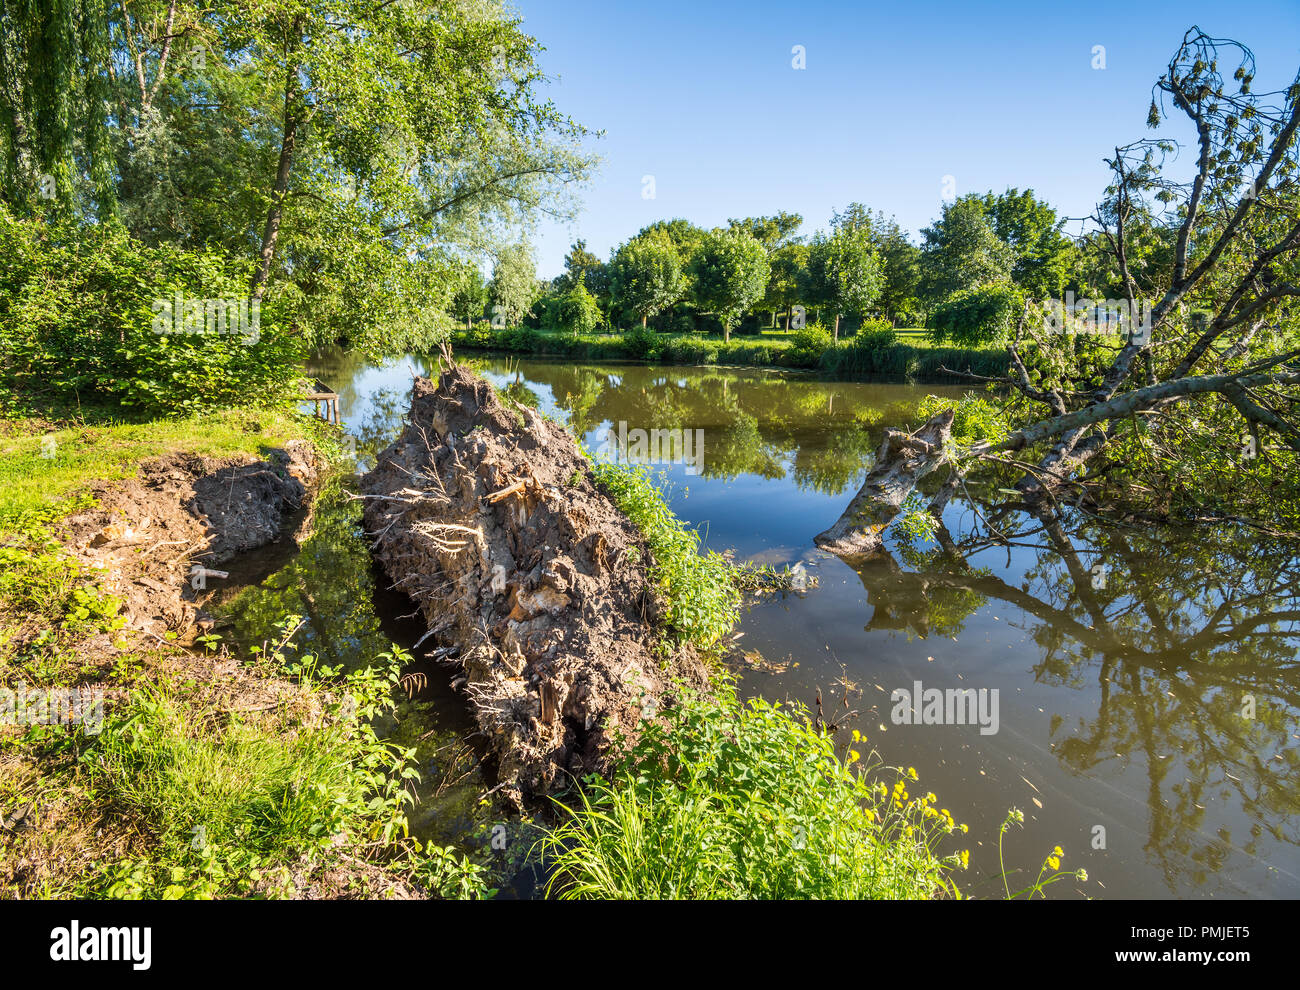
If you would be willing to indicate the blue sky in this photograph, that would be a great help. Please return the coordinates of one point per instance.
(895, 97)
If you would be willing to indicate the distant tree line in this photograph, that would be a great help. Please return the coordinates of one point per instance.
(967, 280)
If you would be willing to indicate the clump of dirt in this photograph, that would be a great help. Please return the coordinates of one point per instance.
(145, 536)
(488, 517)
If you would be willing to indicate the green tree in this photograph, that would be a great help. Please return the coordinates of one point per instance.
(686, 238)
(646, 274)
(577, 310)
(579, 264)
(979, 316)
(783, 284)
(470, 294)
(350, 148)
(1045, 258)
(777, 234)
(843, 273)
(54, 100)
(730, 273)
(961, 250)
(514, 287)
(772, 232)
(900, 262)
(899, 257)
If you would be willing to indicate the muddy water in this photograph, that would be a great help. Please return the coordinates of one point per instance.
(1146, 679)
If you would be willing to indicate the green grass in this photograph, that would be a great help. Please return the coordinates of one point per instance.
(701, 600)
(40, 469)
(727, 800)
(228, 800)
(914, 357)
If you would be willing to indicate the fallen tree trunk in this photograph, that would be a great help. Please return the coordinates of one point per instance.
(905, 458)
(488, 517)
(902, 461)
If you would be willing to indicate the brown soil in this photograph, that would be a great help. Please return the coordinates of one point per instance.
(488, 517)
(146, 534)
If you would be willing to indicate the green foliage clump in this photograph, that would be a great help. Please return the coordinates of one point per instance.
(80, 318)
(914, 523)
(876, 333)
(577, 311)
(642, 343)
(701, 600)
(977, 316)
(726, 800)
(691, 350)
(861, 353)
(809, 343)
(974, 417)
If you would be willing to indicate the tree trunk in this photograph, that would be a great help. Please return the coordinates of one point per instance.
(837, 327)
(643, 320)
(280, 191)
(902, 461)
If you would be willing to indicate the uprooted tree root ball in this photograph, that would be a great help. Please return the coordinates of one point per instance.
(487, 516)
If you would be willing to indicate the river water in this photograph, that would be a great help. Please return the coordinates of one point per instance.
(1146, 678)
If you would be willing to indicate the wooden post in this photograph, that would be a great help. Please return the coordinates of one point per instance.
(329, 411)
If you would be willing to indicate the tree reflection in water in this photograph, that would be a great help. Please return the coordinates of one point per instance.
(1190, 635)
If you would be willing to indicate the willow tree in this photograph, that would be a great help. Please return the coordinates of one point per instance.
(416, 124)
(1208, 372)
(352, 151)
(54, 88)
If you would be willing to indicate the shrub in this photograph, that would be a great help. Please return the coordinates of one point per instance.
(867, 352)
(978, 316)
(577, 311)
(688, 350)
(80, 320)
(809, 343)
(874, 334)
(642, 343)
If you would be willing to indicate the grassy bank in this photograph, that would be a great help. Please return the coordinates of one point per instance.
(911, 356)
(724, 800)
(204, 773)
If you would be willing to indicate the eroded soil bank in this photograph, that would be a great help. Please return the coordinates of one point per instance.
(147, 535)
(527, 576)
(140, 540)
